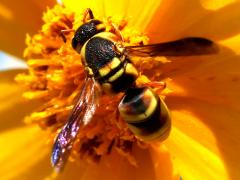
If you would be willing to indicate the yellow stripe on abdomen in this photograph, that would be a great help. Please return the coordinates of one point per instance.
(148, 102)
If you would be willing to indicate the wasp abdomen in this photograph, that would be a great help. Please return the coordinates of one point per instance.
(145, 113)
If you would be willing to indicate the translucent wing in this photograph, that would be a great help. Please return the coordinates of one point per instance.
(81, 114)
(183, 47)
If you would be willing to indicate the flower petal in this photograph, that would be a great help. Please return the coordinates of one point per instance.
(19, 160)
(12, 106)
(19, 145)
(138, 12)
(205, 98)
(21, 149)
(215, 5)
(15, 22)
(193, 160)
(151, 165)
(205, 106)
(208, 134)
(211, 19)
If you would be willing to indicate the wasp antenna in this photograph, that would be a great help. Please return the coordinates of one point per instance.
(63, 32)
(88, 14)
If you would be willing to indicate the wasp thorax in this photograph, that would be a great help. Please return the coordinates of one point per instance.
(85, 32)
(146, 114)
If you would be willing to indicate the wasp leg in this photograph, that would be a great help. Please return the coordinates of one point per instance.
(118, 121)
(158, 85)
(88, 14)
(110, 146)
(119, 48)
(120, 124)
(63, 32)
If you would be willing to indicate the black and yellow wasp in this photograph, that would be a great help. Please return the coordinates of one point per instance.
(108, 66)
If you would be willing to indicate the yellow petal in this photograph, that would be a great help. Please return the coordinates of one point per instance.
(211, 19)
(215, 5)
(16, 20)
(138, 12)
(22, 149)
(208, 134)
(206, 96)
(19, 143)
(26, 155)
(151, 165)
(12, 106)
(193, 160)
(205, 107)
(214, 79)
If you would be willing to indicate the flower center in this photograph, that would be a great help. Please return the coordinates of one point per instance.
(55, 76)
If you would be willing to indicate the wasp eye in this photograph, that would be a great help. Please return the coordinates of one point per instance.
(76, 44)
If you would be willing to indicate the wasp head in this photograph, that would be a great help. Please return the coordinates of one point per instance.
(85, 32)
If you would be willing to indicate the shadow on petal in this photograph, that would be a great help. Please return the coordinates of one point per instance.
(210, 91)
(154, 164)
(214, 78)
(220, 24)
(184, 18)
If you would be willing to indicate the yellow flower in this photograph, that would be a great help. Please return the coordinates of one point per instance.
(204, 100)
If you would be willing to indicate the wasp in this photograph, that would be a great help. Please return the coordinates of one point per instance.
(108, 65)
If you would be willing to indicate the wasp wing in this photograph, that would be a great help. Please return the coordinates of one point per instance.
(183, 47)
(80, 115)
